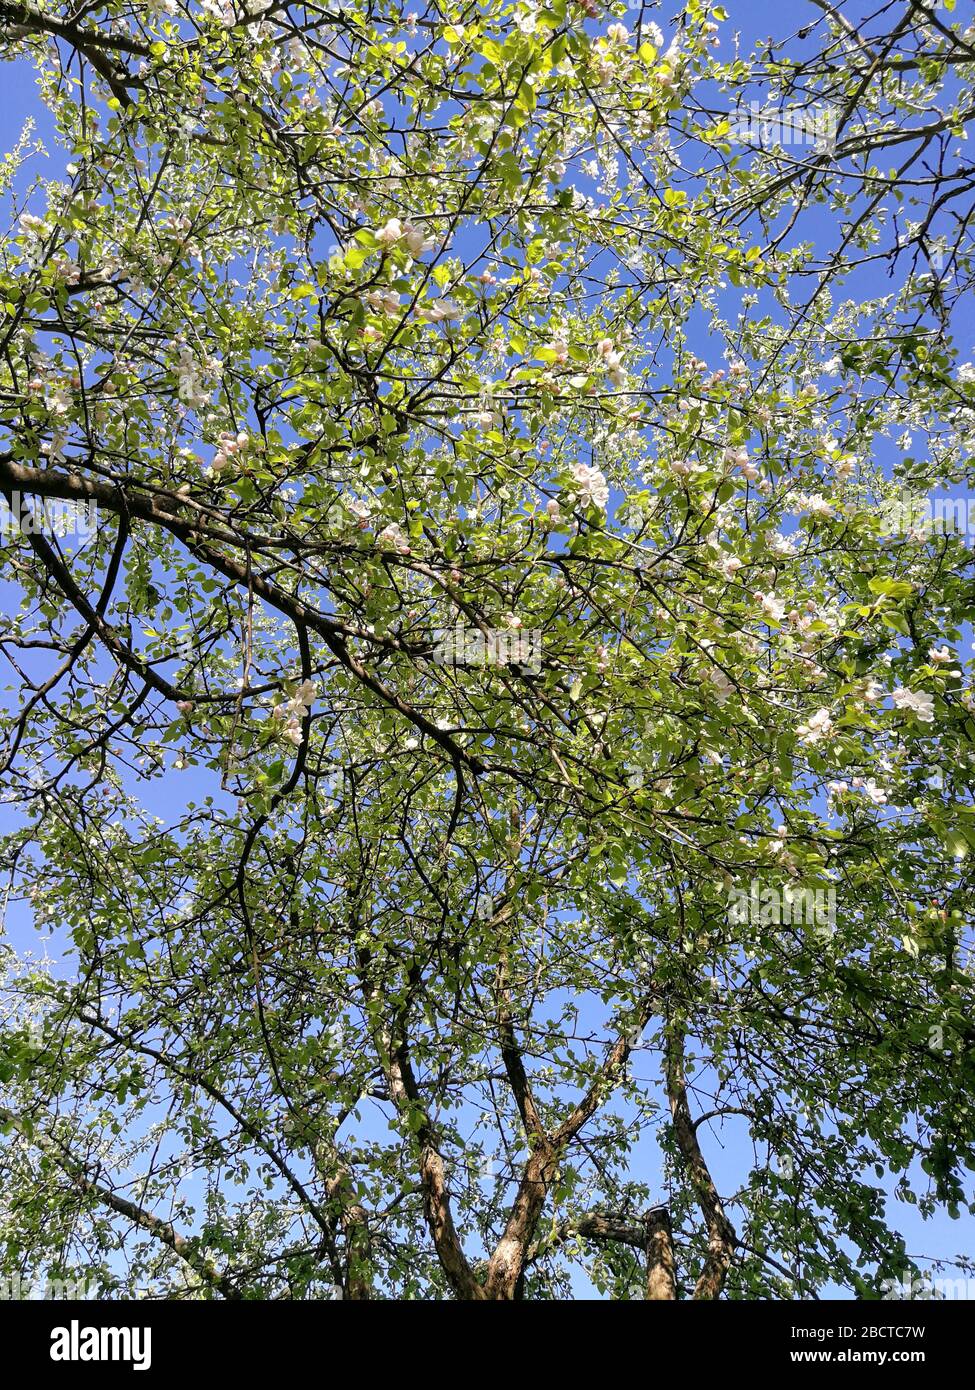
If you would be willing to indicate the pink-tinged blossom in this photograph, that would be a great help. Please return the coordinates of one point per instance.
(392, 536)
(591, 485)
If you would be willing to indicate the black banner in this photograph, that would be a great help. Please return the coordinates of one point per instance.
(144, 1339)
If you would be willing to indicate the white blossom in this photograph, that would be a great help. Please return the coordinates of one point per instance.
(917, 701)
(817, 727)
(772, 607)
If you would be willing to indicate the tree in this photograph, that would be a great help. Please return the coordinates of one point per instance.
(502, 738)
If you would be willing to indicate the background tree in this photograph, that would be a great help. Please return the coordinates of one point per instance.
(501, 583)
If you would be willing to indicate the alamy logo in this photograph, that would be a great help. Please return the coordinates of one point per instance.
(785, 907)
(926, 1286)
(784, 125)
(14, 1287)
(49, 517)
(917, 514)
(469, 646)
(77, 1343)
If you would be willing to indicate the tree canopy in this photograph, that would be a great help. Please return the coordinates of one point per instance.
(490, 766)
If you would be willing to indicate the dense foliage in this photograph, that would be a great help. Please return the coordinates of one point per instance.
(498, 584)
